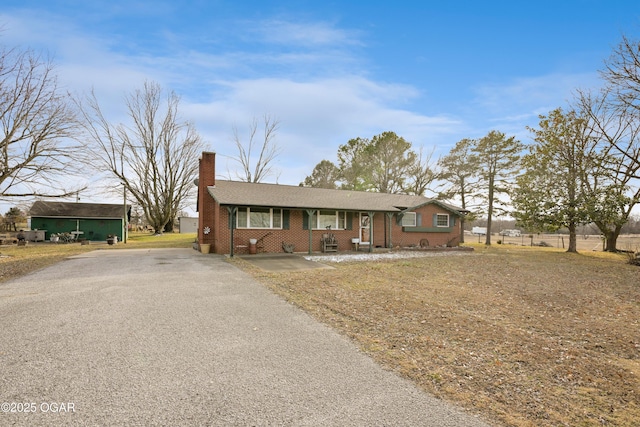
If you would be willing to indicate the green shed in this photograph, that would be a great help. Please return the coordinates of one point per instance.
(90, 221)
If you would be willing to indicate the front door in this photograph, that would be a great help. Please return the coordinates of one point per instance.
(365, 224)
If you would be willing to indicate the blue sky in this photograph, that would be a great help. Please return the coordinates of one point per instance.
(434, 72)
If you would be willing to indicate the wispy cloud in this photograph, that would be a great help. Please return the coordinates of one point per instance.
(305, 34)
(534, 93)
(318, 110)
(513, 105)
(317, 116)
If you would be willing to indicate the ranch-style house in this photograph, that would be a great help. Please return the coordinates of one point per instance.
(238, 217)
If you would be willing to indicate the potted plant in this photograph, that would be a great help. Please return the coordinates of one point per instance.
(111, 239)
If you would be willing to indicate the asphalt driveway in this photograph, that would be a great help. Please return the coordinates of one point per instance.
(175, 337)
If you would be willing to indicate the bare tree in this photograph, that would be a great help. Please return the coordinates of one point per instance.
(622, 73)
(256, 167)
(421, 174)
(614, 115)
(616, 134)
(155, 158)
(38, 123)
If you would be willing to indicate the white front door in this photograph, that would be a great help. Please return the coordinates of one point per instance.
(365, 224)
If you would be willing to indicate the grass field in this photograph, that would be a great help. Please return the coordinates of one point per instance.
(524, 336)
(591, 243)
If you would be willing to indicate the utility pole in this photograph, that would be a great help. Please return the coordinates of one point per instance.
(124, 218)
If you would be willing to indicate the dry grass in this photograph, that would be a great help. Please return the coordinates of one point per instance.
(523, 336)
(585, 243)
(19, 260)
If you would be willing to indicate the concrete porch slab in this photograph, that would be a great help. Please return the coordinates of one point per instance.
(282, 262)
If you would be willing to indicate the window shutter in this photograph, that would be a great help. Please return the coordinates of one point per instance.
(452, 221)
(285, 219)
(349, 220)
(435, 220)
(418, 220)
(305, 220)
(399, 218)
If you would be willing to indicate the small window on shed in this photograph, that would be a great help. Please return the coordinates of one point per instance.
(442, 220)
(409, 219)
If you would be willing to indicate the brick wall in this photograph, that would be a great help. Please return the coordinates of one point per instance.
(444, 236)
(216, 219)
(272, 239)
(207, 207)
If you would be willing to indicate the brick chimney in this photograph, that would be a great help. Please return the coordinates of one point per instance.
(207, 207)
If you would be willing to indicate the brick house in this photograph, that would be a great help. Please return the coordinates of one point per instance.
(234, 215)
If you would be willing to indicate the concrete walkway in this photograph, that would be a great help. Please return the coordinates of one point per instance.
(282, 262)
(173, 337)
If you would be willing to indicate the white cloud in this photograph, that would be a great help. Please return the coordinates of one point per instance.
(513, 105)
(316, 117)
(319, 89)
(307, 34)
(535, 94)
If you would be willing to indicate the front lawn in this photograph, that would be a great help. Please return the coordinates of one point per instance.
(523, 336)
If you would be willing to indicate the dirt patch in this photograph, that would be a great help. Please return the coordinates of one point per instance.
(523, 336)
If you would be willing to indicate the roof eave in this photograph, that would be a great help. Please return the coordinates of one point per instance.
(328, 208)
(434, 202)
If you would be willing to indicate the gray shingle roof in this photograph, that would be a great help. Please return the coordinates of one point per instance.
(76, 210)
(289, 196)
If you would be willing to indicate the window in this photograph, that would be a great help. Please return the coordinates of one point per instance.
(259, 218)
(409, 219)
(335, 220)
(342, 220)
(327, 219)
(276, 218)
(442, 220)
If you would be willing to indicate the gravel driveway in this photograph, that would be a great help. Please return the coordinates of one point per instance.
(174, 337)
